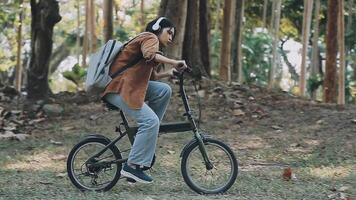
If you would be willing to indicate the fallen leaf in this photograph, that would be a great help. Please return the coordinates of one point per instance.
(94, 117)
(55, 142)
(45, 183)
(21, 137)
(295, 145)
(343, 189)
(9, 128)
(16, 112)
(320, 121)
(7, 135)
(201, 93)
(332, 196)
(59, 157)
(171, 152)
(238, 112)
(36, 121)
(287, 174)
(276, 127)
(61, 175)
(67, 128)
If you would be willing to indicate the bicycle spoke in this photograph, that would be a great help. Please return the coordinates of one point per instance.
(214, 180)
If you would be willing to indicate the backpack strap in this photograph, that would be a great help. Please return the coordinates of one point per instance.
(130, 64)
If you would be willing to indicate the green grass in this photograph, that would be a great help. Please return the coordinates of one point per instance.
(28, 169)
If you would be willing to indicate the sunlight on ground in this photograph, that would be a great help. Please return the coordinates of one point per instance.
(37, 162)
(251, 142)
(333, 172)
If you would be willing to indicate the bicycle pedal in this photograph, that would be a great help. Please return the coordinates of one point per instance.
(130, 180)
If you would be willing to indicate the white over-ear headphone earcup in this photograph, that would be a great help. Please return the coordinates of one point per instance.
(156, 26)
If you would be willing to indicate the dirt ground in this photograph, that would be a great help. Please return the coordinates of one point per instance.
(269, 131)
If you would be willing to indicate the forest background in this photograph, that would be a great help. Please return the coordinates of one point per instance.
(276, 81)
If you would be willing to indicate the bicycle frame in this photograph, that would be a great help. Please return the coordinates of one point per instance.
(171, 127)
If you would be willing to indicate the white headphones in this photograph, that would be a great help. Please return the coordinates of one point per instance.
(156, 25)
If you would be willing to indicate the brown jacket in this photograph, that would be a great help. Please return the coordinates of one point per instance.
(132, 84)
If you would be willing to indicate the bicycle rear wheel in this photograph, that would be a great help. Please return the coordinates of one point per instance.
(209, 181)
(98, 174)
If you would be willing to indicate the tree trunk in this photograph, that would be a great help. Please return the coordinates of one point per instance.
(162, 8)
(225, 62)
(237, 43)
(176, 11)
(92, 25)
(341, 42)
(191, 46)
(308, 7)
(264, 15)
(108, 19)
(273, 15)
(204, 35)
(78, 31)
(18, 69)
(315, 52)
(86, 34)
(142, 19)
(45, 14)
(275, 31)
(331, 53)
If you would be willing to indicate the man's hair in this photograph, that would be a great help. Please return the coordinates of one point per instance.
(164, 23)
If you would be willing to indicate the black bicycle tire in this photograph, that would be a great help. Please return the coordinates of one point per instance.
(188, 180)
(103, 141)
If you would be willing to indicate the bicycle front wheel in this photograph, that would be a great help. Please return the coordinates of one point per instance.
(199, 177)
(95, 174)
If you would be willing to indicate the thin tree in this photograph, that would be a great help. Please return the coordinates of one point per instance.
(108, 19)
(330, 86)
(86, 34)
(142, 18)
(45, 14)
(204, 34)
(264, 14)
(275, 31)
(315, 52)
(78, 30)
(18, 68)
(192, 51)
(341, 42)
(92, 25)
(237, 44)
(308, 7)
(225, 61)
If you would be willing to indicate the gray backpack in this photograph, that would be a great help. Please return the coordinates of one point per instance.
(99, 66)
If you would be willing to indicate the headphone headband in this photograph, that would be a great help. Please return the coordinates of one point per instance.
(156, 25)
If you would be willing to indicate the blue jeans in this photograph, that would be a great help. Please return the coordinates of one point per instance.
(148, 119)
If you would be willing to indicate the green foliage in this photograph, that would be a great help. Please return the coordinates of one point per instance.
(314, 82)
(121, 34)
(350, 87)
(257, 61)
(215, 45)
(75, 75)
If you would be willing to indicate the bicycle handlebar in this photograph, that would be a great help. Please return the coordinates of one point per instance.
(179, 74)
